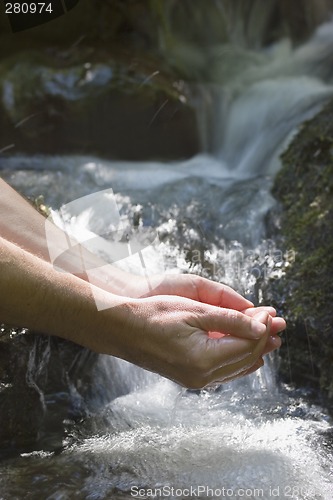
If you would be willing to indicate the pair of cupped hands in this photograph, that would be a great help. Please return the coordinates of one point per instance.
(189, 329)
(199, 332)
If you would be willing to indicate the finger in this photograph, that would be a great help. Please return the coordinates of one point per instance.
(230, 355)
(217, 294)
(278, 324)
(245, 363)
(258, 364)
(251, 311)
(272, 344)
(231, 322)
(238, 369)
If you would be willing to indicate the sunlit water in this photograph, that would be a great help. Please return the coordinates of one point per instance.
(248, 439)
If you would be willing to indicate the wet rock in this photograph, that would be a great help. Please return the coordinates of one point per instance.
(119, 109)
(21, 408)
(304, 220)
(105, 78)
(44, 382)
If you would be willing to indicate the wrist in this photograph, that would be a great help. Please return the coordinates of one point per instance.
(89, 316)
(36, 296)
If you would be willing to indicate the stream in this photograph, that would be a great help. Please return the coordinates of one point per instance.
(142, 436)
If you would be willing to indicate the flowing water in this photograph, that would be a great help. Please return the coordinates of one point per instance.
(142, 435)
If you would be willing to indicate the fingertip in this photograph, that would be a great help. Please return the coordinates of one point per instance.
(282, 323)
(271, 310)
(278, 325)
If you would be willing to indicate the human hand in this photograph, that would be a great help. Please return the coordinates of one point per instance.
(273, 341)
(190, 286)
(169, 335)
(206, 291)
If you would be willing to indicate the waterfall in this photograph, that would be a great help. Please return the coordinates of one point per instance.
(141, 431)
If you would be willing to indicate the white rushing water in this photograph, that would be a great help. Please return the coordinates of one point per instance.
(248, 439)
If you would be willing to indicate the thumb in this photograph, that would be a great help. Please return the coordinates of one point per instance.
(218, 322)
(231, 355)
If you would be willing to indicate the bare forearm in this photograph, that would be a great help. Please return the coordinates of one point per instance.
(163, 334)
(21, 224)
(35, 296)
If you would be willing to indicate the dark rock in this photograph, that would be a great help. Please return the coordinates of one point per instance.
(43, 383)
(124, 108)
(21, 408)
(304, 188)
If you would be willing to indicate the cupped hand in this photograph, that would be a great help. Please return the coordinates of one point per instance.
(192, 287)
(169, 335)
(170, 330)
(210, 292)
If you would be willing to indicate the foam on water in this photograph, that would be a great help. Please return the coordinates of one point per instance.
(161, 437)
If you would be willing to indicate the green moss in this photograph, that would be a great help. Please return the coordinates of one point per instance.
(304, 189)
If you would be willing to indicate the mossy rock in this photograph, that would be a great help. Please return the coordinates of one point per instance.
(304, 189)
(122, 107)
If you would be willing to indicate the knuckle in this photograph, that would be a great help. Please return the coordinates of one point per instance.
(222, 293)
(198, 280)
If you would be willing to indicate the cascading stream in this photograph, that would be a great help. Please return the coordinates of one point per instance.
(248, 437)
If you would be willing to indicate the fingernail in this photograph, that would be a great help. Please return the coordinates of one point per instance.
(257, 328)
